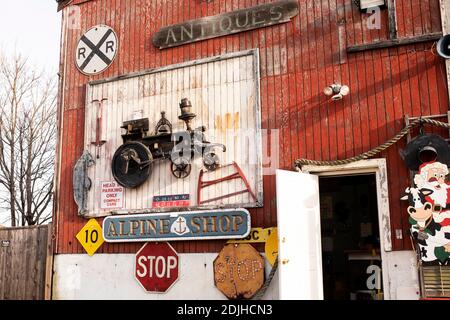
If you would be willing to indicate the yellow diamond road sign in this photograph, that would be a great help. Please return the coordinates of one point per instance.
(272, 247)
(91, 237)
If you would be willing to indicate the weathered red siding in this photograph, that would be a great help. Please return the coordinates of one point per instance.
(298, 60)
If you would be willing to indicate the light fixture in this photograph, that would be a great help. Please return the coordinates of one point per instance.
(336, 91)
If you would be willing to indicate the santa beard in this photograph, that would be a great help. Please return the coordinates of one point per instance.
(439, 195)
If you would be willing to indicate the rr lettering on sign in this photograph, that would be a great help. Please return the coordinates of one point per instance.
(228, 23)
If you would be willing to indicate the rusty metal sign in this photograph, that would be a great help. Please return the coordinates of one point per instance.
(239, 271)
(227, 23)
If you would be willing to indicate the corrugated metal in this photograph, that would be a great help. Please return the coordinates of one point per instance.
(224, 95)
(298, 60)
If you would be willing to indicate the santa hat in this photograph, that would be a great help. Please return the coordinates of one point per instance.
(423, 165)
(433, 164)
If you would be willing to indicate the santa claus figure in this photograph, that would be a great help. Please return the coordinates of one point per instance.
(432, 176)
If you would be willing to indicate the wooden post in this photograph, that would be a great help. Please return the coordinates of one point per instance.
(448, 121)
(49, 264)
(445, 17)
(392, 19)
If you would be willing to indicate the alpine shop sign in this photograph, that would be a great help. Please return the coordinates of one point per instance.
(227, 23)
(196, 225)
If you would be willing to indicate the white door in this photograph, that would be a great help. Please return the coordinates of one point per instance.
(300, 248)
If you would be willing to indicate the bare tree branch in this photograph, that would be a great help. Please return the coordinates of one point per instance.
(27, 141)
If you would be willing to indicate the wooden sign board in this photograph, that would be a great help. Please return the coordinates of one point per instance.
(239, 271)
(173, 226)
(227, 23)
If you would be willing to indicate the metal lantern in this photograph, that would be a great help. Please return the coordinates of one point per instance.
(186, 114)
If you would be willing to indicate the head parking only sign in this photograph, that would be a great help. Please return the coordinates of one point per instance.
(96, 50)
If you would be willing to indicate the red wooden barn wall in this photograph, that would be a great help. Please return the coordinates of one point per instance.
(298, 60)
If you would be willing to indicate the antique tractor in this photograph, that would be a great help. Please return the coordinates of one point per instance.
(133, 161)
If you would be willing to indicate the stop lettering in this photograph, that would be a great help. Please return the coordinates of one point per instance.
(157, 267)
(151, 266)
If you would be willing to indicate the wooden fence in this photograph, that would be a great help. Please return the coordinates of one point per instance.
(26, 259)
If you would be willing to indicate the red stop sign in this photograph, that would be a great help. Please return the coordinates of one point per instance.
(157, 266)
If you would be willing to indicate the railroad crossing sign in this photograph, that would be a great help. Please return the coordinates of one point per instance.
(96, 50)
(90, 236)
(157, 266)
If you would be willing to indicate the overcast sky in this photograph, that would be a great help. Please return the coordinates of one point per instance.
(32, 28)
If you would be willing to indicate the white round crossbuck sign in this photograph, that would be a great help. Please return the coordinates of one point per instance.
(96, 50)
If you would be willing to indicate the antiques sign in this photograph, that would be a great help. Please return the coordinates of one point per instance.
(227, 23)
(197, 225)
(239, 271)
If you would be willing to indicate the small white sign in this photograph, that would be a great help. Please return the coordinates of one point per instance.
(111, 195)
(96, 50)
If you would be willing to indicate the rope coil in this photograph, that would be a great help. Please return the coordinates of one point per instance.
(366, 155)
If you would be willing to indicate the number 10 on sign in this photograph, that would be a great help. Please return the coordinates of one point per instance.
(90, 237)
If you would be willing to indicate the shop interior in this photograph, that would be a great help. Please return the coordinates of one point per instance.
(351, 257)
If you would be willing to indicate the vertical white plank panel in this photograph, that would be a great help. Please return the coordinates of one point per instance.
(300, 245)
(223, 95)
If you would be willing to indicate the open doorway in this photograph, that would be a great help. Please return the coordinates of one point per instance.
(351, 259)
